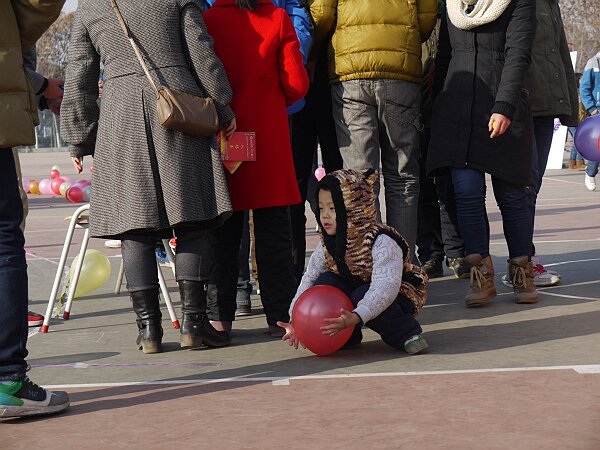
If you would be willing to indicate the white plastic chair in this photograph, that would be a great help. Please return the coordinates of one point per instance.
(73, 286)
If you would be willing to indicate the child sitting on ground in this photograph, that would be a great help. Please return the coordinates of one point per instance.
(367, 260)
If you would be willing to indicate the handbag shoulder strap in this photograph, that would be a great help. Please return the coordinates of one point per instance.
(136, 49)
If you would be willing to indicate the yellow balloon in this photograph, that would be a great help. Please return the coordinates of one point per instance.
(94, 272)
(34, 187)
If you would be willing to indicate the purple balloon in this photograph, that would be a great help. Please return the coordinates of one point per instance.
(587, 138)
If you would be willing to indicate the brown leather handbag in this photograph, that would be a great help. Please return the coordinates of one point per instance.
(190, 114)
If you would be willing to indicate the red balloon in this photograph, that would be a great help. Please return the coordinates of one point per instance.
(75, 194)
(54, 174)
(311, 309)
(55, 185)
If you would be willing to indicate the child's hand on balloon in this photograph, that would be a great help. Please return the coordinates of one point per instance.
(337, 324)
(290, 334)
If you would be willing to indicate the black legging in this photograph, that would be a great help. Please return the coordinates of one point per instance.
(139, 259)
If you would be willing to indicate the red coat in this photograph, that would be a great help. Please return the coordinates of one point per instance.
(261, 55)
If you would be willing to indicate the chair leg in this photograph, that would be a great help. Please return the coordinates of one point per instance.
(75, 280)
(120, 278)
(61, 266)
(167, 298)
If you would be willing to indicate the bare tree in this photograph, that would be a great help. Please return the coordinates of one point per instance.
(53, 46)
(582, 27)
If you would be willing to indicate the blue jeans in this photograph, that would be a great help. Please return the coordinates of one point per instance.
(395, 325)
(592, 168)
(13, 274)
(513, 200)
(574, 156)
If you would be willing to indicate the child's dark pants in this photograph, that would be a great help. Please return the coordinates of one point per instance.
(395, 325)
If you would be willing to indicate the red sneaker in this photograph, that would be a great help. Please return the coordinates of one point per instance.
(34, 319)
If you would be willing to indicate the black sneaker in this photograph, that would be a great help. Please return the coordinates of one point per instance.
(459, 266)
(433, 268)
(25, 398)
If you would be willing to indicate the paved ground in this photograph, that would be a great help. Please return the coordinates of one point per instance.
(503, 376)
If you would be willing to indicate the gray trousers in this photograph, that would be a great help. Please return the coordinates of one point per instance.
(377, 124)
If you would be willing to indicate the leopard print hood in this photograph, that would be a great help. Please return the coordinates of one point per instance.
(349, 252)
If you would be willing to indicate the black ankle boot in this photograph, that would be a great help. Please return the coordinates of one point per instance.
(196, 330)
(145, 305)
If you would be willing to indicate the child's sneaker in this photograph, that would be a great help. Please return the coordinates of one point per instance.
(415, 344)
(34, 319)
(25, 398)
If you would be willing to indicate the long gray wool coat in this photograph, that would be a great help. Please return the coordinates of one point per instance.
(145, 176)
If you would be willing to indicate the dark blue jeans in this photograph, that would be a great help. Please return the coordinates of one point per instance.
(395, 325)
(13, 274)
(543, 130)
(513, 201)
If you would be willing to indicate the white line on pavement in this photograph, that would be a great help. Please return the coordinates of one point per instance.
(581, 369)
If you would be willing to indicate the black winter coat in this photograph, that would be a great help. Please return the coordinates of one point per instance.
(480, 72)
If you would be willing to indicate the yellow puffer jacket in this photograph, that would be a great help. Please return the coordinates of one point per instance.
(22, 22)
(374, 38)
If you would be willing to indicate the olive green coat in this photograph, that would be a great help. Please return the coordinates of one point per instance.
(22, 22)
(551, 79)
(373, 39)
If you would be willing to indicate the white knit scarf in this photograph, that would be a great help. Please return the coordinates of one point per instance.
(484, 11)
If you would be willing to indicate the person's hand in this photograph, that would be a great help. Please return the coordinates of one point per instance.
(337, 324)
(594, 112)
(54, 106)
(290, 334)
(498, 125)
(54, 90)
(77, 163)
(229, 129)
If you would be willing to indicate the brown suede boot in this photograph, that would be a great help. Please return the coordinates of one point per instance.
(580, 164)
(572, 164)
(521, 273)
(482, 280)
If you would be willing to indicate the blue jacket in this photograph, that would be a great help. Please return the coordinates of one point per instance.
(589, 89)
(302, 24)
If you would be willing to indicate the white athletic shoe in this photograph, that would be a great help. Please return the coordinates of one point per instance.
(113, 243)
(542, 276)
(590, 183)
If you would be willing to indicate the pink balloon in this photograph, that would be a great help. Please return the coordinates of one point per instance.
(310, 311)
(25, 182)
(320, 173)
(64, 177)
(74, 194)
(45, 187)
(55, 185)
(84, 183)
(54, 174)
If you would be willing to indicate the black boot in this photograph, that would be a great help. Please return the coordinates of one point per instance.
(196, 330)
(145, 305)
